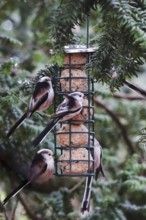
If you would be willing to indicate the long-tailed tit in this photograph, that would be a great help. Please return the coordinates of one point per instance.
(97, 155)
(70, 107)
(41, 99)
(42, 168)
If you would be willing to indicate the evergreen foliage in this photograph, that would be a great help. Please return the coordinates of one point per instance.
(121, 30)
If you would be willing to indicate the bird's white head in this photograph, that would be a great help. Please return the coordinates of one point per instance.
(45, 79)
(48, 159)
(46, 153)
(79, 96)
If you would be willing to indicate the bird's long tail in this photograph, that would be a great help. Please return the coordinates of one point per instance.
(46, 131)
(16, 191)
(17, 124)
(87, 193)
(23, 185)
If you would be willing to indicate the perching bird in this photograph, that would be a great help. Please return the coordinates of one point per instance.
(97, 168)
(41, 99)
(42, 168)
(71, 106)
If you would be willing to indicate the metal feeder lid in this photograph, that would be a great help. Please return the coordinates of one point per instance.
(79, 49)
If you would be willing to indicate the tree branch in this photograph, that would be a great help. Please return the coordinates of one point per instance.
(128, 97)
(28, 210)
(3, 210)
(14, 211)
(119, 124)
(76, 186)
(135, 88)
(25, 205)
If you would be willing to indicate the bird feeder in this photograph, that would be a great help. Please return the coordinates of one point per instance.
(72, 138)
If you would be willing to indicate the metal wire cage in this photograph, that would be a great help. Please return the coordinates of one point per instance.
(73, 150)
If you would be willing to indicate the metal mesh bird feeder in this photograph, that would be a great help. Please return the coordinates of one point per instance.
(72, 139)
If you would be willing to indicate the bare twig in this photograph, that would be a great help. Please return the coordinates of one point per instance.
(128, 97)
(26, 207)
(76, 186)
(28, 210)
(14, 211)
(118, 122)
(135, 88)
(2, 209)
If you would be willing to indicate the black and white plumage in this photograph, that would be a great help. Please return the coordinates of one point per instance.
(70, 107)
(97, 155)
(41, 99)
(42, 168)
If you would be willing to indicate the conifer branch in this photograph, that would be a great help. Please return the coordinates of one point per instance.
(119, 124)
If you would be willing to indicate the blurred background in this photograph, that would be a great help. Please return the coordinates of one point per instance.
(28, 31)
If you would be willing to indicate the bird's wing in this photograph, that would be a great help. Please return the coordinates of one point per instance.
(40, 101)
(66, 112)
(37, 170)
(63, 106)
(68, 103)
(40, 90)
(98, 170)
(96, 152)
